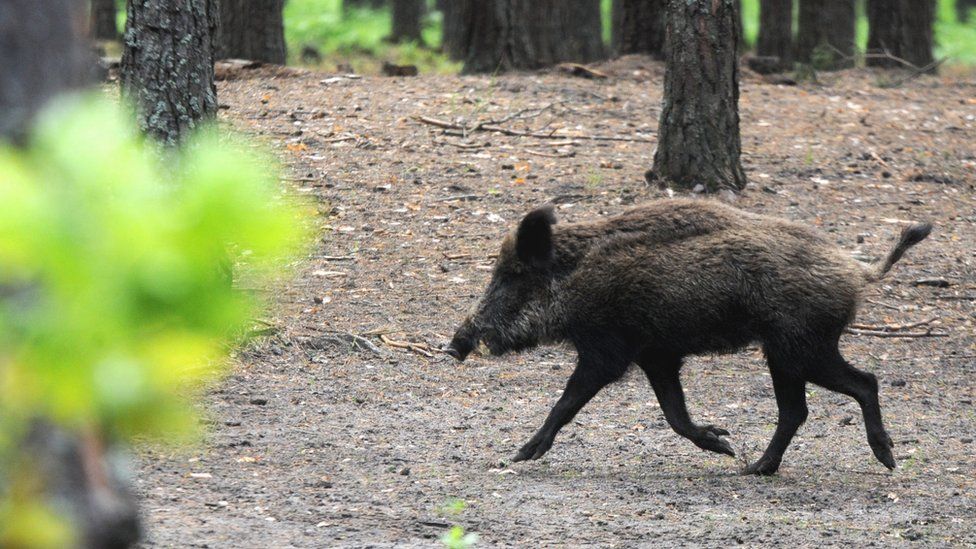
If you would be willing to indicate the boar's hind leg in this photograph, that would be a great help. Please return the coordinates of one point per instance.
(836, 374)
(594, 371)
(791, 400)
(664, 375)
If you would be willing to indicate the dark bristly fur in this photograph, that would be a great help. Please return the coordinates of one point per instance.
(680, 277)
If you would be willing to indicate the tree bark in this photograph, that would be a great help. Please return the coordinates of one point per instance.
(406, 21)
(43, 54)
(776, 32)
(826, 34)
(167, 69)
(454, 36)
(252, 29)
(638, 27)
(698, 133)
(530, 34)
(902, 29)
(103, 23)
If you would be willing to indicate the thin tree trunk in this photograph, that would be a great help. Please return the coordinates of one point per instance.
(826, 34)
(406, 20)
(454, 38)
(639, 27)
(252, 29)
(167, 65)
(531, 34)
(698, 135)
(43, 54)
(902, 29)
(776, 32)
(103, 23)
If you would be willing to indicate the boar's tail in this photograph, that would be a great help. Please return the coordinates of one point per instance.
(910, 236)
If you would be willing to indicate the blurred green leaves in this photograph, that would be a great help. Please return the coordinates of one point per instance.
(116, 305)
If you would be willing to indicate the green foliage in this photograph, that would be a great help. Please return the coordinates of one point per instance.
(455, 538)
(115, 302)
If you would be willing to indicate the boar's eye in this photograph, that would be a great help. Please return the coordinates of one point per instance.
(533, 241)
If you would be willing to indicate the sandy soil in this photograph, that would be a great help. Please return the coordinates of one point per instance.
(316, 442)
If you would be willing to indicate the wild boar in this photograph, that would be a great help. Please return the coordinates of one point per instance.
(681, 277)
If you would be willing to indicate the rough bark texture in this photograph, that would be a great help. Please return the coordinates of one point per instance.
(826, 33)
(698, 134)
(902, 29)
(530, 34)
(42, 54)
(252, 29)
(776, 31)
(406, 20)
(167, 67)
(103, 23)
(638, 27)
(454, 38)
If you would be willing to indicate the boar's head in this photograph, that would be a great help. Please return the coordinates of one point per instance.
(514, 312)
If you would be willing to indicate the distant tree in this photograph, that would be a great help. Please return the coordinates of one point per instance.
(826, 33)
(698, 132)
(530, 34)
(407, 15)
(900, 29)
(454, 38)
(776, 32)
(252, 29)
(167, 68)
(638, 27)
(43, 54)
(963, 8)
(371, 4)
(103, 23)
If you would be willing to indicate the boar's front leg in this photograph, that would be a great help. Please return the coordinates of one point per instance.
(664, 375)
(596, 368)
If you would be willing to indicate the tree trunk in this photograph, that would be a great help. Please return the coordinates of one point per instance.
(638, 27)
(454, 36)
(698, 133)
(43, 54)
(252, 29)
(530, 34)
(826, 34)
(167, 67)
(902, 29)
(406, 20)
(103, 23)
(776, 32)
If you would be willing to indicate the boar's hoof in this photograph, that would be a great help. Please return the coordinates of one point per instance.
(708, 439)
(881, 446)
(765, 466)
(453, 353)
(532, 450)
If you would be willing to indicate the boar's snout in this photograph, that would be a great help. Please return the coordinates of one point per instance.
(464, 341)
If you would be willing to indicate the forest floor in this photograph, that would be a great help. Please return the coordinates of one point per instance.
(316, 442)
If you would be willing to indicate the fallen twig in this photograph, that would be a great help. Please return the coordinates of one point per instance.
(569, 154)
(893, 327)
(519, 133)
(406, 345)
(883, 304)
(882, 333)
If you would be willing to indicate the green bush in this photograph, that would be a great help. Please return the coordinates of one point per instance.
(115, 301)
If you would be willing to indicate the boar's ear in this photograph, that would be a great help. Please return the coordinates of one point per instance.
(533, 241)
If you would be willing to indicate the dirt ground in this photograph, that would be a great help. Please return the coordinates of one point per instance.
(318, 442)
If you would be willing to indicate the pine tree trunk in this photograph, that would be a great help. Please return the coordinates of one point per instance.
(454, 38)
(406, 20)
(103, 23)
(43, 54)
(776, 32)
(639, 27)
(698, 134)
(902, 29)
(167, 67)
(530, 34)
(252, 29)
(826, 34)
